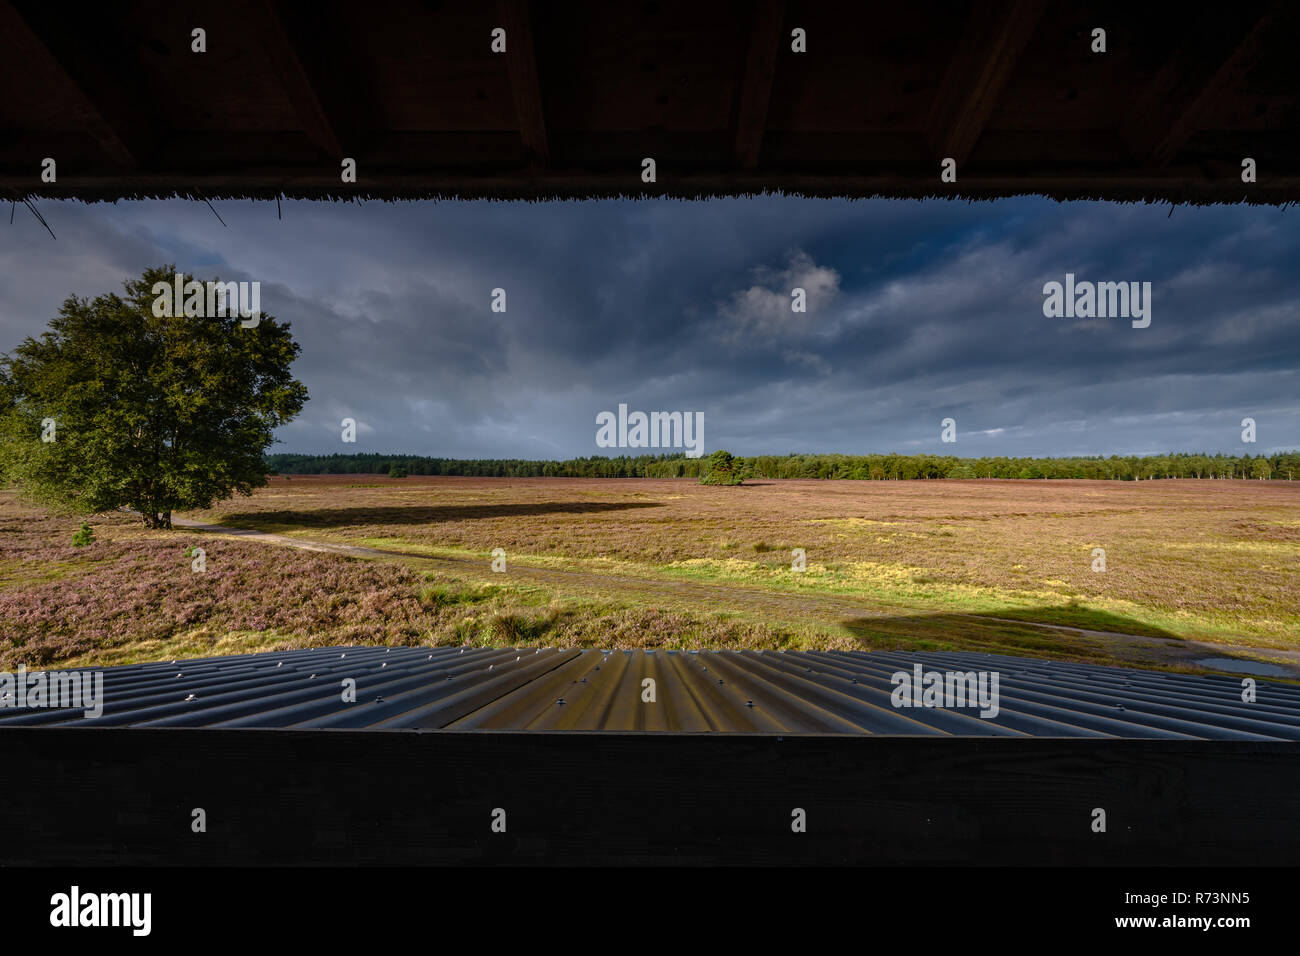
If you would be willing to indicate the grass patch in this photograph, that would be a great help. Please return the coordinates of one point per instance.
(457, 594)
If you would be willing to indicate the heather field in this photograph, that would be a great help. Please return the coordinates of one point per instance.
(1194, 569)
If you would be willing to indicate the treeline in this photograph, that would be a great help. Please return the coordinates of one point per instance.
(1285, 465)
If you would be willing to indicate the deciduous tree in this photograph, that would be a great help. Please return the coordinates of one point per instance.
(117, 406)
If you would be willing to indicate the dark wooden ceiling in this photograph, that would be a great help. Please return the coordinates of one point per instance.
(711, 90)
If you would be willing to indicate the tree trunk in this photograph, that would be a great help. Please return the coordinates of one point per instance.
(157, 520)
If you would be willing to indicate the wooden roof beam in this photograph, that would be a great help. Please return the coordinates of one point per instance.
(1189, 86)
(757, 73)
(525, 86)
(295, 68)
(89, 113)
(985, 59)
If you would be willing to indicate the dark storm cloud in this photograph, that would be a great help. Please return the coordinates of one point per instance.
(917, 312)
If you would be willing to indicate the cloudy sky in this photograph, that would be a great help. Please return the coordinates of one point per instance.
(917, 311)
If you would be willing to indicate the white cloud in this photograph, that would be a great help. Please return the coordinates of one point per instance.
(765, 309)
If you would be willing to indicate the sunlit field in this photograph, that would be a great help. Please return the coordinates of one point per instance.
(670, 563)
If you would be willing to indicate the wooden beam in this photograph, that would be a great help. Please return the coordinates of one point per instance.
(88, 112)
(525, 86)
(985, 59)
(1188, 88)
(299, 81)
(757, 74)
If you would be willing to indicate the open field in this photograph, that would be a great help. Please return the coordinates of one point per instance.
(1212, 565)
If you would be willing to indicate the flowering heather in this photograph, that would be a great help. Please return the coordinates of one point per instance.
(1213, 560)
(59, 601)
(134, 593)
(954, 565)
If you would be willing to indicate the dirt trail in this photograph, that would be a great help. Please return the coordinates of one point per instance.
(1137, 650)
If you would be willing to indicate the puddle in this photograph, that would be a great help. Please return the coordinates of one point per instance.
(1244, 667)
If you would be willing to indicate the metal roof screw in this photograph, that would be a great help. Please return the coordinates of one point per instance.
(749, 703)
(279, 664)
(379, 699)
(1119, 706)
(560, 701)
(180, 675)
(191, 697)
(719, 680)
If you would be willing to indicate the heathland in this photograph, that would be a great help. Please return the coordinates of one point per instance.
(1192, 569)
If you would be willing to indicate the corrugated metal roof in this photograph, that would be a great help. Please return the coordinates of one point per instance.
(694, 691)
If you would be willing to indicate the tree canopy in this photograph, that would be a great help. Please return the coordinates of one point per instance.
(878, 467)
(117, 406)
(723, 470)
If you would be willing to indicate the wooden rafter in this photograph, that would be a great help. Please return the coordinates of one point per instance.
(525, 85)
(1189, 87)
(989, 50)
(89, 111)
(320, 121)
(758, 72)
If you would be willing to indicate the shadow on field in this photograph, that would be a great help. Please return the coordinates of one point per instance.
(423, 514)
(1002, 632)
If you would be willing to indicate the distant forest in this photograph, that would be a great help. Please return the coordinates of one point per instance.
(875, 467)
